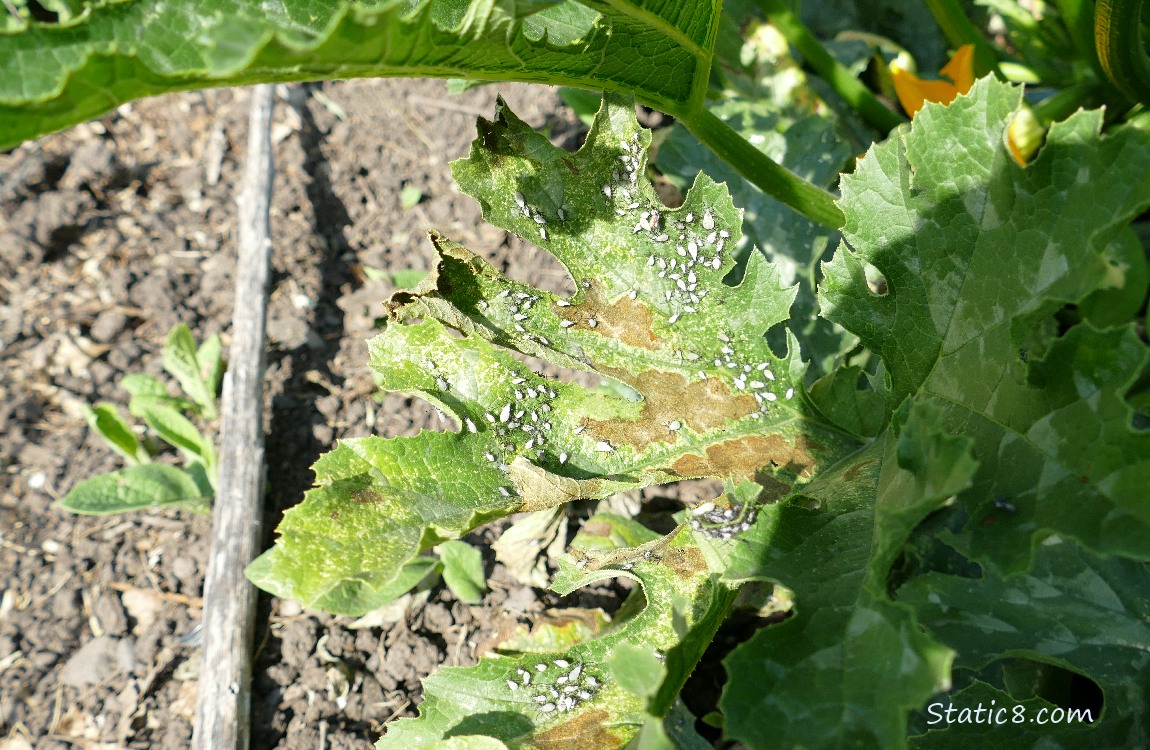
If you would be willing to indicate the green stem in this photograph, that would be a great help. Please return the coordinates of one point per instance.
(1078, 15)
(1062, 104)
(959, 30)
(774, 180)
(1118, 39)
(854, 93)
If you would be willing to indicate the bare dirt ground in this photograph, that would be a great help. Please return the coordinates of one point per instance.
(110, 234)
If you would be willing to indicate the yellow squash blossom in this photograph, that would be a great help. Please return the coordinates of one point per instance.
(913, 91)
(1024, 136)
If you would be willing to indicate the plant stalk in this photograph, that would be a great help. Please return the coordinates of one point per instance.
(1121, 50)
(853, 92)
(959, 30)
(774, 180)
(1062, 104)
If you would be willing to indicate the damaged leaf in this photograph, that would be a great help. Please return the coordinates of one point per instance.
(713, 399)
(575, 696)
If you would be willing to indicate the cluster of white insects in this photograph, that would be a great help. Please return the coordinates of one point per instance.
(722, 523)
(519, 304)
(523, 422)
(689, 246)
(758, 379)
(537, 216)
(697, 240)
(555, 692)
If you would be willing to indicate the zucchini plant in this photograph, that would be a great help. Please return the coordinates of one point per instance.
(974, 463)
(933, 445)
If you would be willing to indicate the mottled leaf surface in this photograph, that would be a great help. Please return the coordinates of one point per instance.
(848, 668)
(111, 52)
(707, 396)
(377, 504)
(977, 253)
(137, 487)
(989, 451)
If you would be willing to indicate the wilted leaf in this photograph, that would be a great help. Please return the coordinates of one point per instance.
(714, 400)
(570, 698)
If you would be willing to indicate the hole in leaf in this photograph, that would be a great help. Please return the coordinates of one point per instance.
(42, 14)
(777, 339)
(1029, 678)
(875, 280)
(924, 553)
(703, 689)
(688, 491)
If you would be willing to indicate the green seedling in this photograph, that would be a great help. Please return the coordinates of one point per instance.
(145, 483)
(410, 197)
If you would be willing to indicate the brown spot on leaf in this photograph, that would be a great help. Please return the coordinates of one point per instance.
(586, 731)
(742, 457)
(773, 489)
(540, 489)
(854, 471)
(597, 528)
(625, 320)
(686, 562)
(366, 496)
(670, 397)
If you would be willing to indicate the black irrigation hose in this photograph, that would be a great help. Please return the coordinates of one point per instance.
(1118, 39)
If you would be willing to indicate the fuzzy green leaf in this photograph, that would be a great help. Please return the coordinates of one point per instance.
(106, 421)
(149, 485)
(117, 51)
(198, 376)
(177, 430)
(977, 253)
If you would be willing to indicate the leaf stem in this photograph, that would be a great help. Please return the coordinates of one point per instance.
(1078, 17)
(1118, 39)
(1061, 104)
(959, 30)
(847, 86)
(774, 180)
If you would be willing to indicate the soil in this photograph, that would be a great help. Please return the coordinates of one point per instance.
(110, 234)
